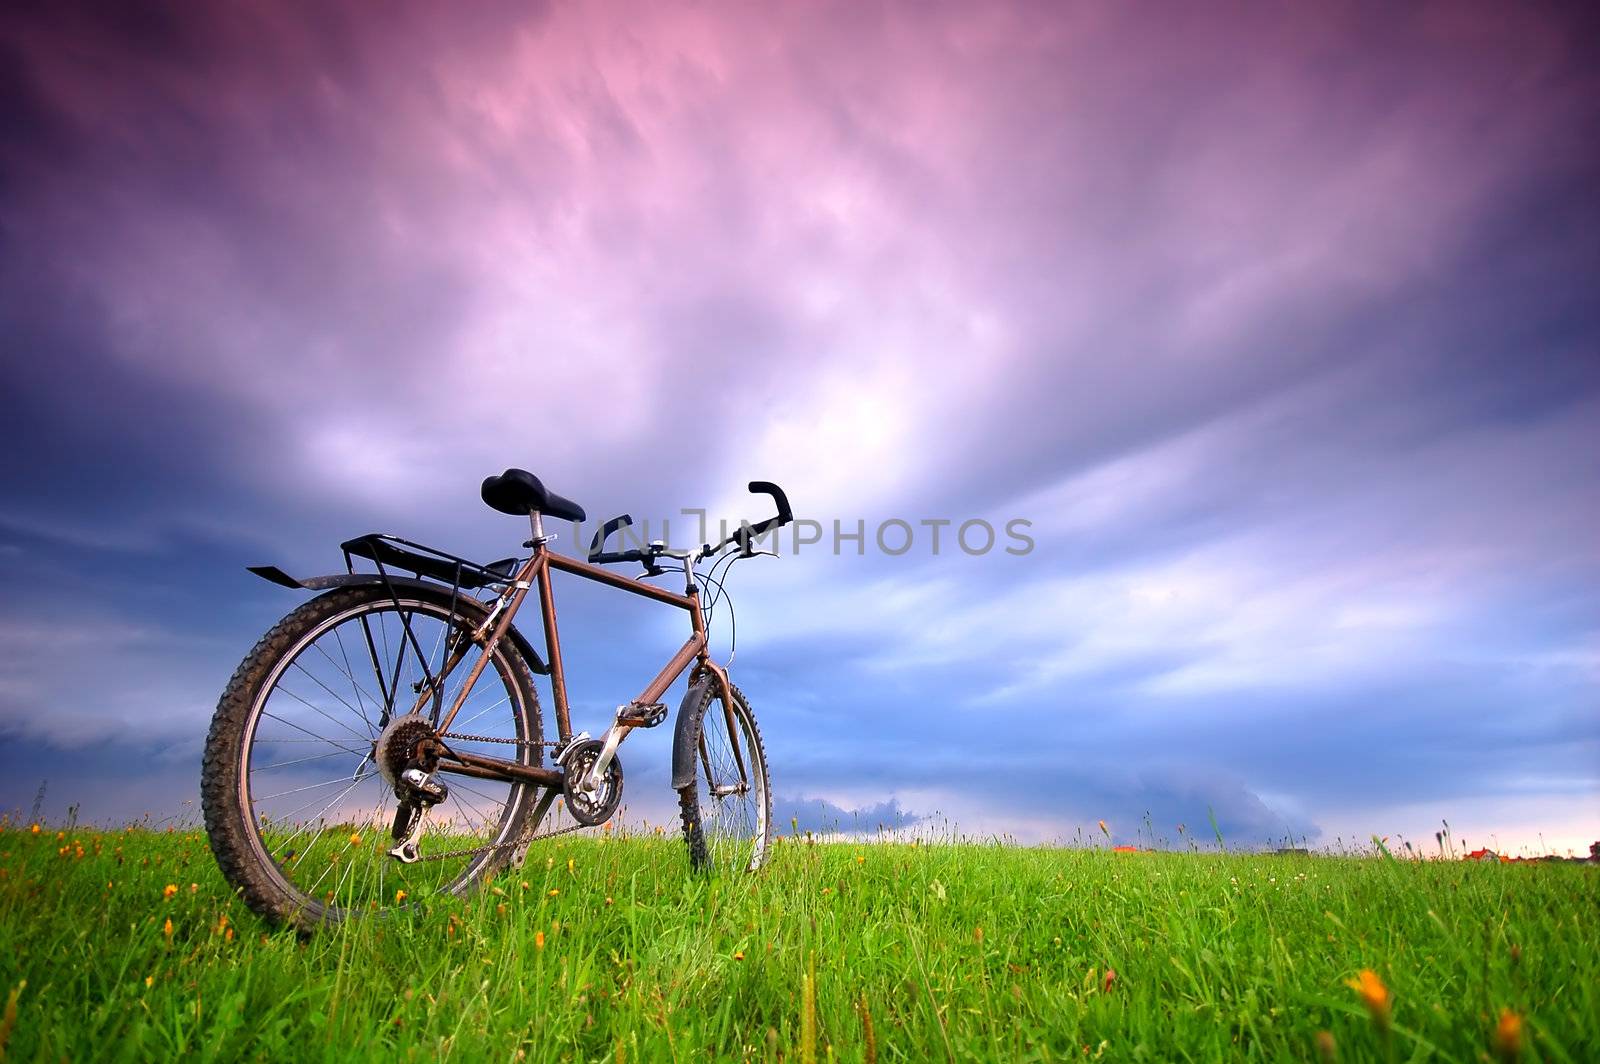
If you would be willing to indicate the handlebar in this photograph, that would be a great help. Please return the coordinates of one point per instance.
(602, 557)
(745, 533)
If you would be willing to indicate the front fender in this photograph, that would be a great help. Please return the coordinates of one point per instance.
(683, 741)
(438, 592)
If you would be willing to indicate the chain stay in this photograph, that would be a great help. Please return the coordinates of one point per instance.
(449, 854)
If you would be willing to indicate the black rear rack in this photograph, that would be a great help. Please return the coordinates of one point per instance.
(388, 551)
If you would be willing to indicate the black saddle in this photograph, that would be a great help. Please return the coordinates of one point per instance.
(519, 493)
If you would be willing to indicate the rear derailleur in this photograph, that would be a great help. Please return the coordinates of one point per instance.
(407, 757)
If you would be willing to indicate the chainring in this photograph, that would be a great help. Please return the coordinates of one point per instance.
(586, 807)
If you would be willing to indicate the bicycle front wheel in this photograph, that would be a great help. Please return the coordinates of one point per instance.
(297, 810)
(727, 811)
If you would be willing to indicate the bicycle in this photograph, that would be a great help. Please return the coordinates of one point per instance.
(409, 688)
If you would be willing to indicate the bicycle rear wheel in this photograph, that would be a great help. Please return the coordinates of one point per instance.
(299, 814)
(727, 811)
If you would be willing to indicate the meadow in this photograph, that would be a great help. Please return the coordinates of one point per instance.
(126, 945)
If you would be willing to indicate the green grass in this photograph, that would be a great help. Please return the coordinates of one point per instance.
(951, 951)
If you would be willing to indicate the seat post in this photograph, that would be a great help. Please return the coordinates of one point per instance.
(536, 520)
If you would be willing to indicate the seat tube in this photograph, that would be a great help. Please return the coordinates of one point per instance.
(552, 640)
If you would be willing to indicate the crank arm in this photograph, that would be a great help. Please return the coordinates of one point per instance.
(610, 741)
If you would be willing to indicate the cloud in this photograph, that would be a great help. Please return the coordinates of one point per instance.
(824, 817)
(1281, 332)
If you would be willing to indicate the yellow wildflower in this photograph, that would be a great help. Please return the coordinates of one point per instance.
(399, 896)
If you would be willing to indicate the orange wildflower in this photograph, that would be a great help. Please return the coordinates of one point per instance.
(554, 892)
(169, 890)
(35, 829)
(166, 928)
(1508, 1035)
(399, 896)
(538, 940)
(1111, 977)
(355, 840)
(738, 954)
(1373, 994)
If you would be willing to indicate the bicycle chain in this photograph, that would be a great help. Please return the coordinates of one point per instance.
(449, 854)
(497, 739)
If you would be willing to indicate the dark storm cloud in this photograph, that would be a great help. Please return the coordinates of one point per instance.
(1277, 325)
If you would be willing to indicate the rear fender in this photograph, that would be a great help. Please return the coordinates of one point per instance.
(437, 592)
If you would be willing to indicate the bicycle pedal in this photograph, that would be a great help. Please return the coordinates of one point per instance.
(642, 714)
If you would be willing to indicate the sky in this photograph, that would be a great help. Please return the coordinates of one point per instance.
(1275, 323)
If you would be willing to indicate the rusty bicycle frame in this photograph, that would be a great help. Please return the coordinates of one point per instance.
(535, 573)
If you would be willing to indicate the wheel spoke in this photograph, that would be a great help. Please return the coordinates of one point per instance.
(322, 712)
(314, 735)
(314, 786)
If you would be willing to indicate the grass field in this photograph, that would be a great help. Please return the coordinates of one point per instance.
(609, 950)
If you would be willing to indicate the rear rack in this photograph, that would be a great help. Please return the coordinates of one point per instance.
(388, 551)
(459, 574)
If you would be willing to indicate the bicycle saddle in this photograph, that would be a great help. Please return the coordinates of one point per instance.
(520, 493)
